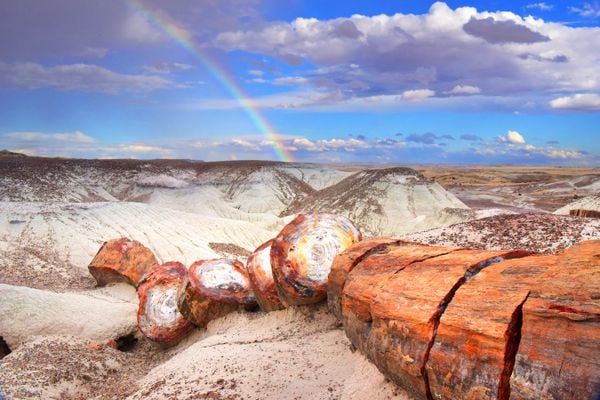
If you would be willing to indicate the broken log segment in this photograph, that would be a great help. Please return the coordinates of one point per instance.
(122, 260)
(407, 309)
(261, 277)
(158, 317)
(480, 336)
(585, 213)
(303, 252)
(344, 262)
(213, 288)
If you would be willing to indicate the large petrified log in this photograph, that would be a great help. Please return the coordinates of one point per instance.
(467, 324)
(213, 288)
(584, 213)
(303, 252)
(261, 277)
(121, 260)
(158, 317)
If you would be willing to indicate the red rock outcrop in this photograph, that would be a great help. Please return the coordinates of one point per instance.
(585, 213)
(303, 252)
(213, 288)
(121, 260)
(473, 324)
(261, 277)
(158, 317)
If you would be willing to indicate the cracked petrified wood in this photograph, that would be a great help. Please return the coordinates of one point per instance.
(303, 252)
(213, 288)
(472, 324)
(121, 260)
(158, 317)
(261, 277)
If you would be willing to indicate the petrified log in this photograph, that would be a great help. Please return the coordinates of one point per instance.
(407, 310)
(344, 262)
(261, 277)
(584, 213)
(121, 260)
(472, 324)
(158, 317)
(302, 254)
(213, 288)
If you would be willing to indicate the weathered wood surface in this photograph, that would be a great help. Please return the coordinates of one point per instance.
(472, 324)
(261, 277)
(121, 260)
(213, 288)
(303, 252)
(158, 316)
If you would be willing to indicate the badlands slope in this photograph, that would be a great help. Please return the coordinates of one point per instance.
(55, 214)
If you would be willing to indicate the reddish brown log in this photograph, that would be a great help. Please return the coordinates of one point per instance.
(344, 262)
(585, 213)
(121, 260)
(213, 288)
(407, 309)
(158, 317)
(303, 252)
(549, 301)
(261, 277)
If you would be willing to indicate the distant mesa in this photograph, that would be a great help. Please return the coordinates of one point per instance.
(7, 153)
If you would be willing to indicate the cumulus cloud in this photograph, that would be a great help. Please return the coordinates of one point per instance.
(512, 137)
(166, 68)
(497, 53)
(77, 77)
(577, 102)
(425, 138)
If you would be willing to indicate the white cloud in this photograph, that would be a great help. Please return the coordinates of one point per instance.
(588, 10)
(579, 102)
(512, 137)
(138, 29)
(464, 89)
(540, 6)
(78, 77)
(417, 95)
(525, 58)
(73, 137)
(290, 80)
(256, 72)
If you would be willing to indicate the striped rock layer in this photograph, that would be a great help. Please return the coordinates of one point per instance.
(450, 323)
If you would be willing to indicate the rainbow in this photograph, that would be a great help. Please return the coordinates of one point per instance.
(182, 38)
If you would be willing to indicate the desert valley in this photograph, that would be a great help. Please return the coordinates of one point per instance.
(64, 337)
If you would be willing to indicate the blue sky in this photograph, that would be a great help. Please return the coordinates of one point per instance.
(385, 81)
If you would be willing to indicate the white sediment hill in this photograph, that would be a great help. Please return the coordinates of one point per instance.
(591, 203)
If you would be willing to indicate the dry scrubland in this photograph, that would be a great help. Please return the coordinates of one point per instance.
(55, 214)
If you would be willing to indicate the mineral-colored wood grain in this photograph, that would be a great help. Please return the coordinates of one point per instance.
(261, 277)
(365, 282)
(302, 255)
(213, 288)
(158, 317)
(512, 311)
(559, 352)
(344, 262)
(122, 260)
(407, 308)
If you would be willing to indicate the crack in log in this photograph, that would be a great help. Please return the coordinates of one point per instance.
(443, 305)
(513, 339)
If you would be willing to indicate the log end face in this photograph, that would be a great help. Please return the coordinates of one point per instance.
(261, 278)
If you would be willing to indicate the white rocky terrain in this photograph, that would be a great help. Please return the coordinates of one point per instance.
(68, 339)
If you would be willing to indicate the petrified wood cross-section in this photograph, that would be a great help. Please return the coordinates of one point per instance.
(261, 277)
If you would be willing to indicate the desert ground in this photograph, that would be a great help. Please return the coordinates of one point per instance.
(64, 338)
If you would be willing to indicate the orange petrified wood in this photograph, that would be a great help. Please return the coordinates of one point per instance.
(121, 260)
(473, 324)
(303, 252)
(158, 317)
(213, 288)
(261, 277)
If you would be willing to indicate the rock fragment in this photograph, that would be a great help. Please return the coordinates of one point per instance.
(213, 288)
(158, 317)
(261, 277)
(121, 260)
(303, 252)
